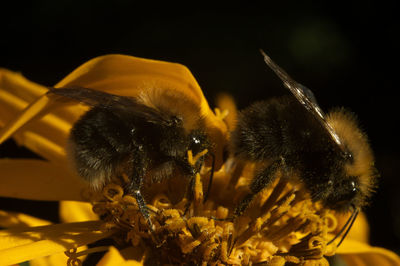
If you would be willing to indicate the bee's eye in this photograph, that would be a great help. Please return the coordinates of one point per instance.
(344, 193)
(197, 142)
(348, 156)
(353, 186)
(350, 189)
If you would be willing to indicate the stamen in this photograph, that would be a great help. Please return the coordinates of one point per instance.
(198, 191)
(199, 155)
(281, 224)
(190, 157)
(221, 115)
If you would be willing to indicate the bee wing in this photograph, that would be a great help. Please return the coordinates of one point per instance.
(106, 100)
(304, 96)
(89, 96)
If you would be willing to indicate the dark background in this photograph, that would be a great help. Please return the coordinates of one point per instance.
(348, 56)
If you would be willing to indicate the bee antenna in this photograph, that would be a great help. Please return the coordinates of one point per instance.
(346, 227)
(211, 177)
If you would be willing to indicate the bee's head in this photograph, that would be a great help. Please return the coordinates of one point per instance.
(357, 175)
(345, 192)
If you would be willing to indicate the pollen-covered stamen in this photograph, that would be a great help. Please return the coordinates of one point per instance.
(265, 221)
(282, 224)
(198, 185)
(310, 248)
(221, 114)
(275, 194)
(192, 160)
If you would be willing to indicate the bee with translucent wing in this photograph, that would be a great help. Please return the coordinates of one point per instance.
(328, 152)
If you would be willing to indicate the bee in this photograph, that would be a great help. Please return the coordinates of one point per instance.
(145, 138)
(328, 152)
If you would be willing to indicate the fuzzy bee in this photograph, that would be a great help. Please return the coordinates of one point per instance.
(145, 138)
(329, 152)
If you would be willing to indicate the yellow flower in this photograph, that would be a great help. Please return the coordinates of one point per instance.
(281, 224)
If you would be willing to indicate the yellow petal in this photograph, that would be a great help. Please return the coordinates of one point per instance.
(72, 210)
(128, 75)
(113, 257)
(14, 81)
(58, 259)
(38, 180)
(23, 244)
(357, 253)
(29, 113)
(360, 229)
(29, 251)
(14, 219)
(21, 102)
(46, 136)
(75, 211)
(355, 249)
(16, 93)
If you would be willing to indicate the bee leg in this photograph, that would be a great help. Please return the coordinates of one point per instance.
(260, 181)
(210, 178)
(138, 162)
(190, 172)
(189, 194)
(143, 208)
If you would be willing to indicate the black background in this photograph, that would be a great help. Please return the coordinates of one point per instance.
(347, 54)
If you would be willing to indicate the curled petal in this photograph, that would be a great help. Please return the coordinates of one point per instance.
(128, 75)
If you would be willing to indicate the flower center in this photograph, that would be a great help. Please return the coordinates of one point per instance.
(280, 225)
